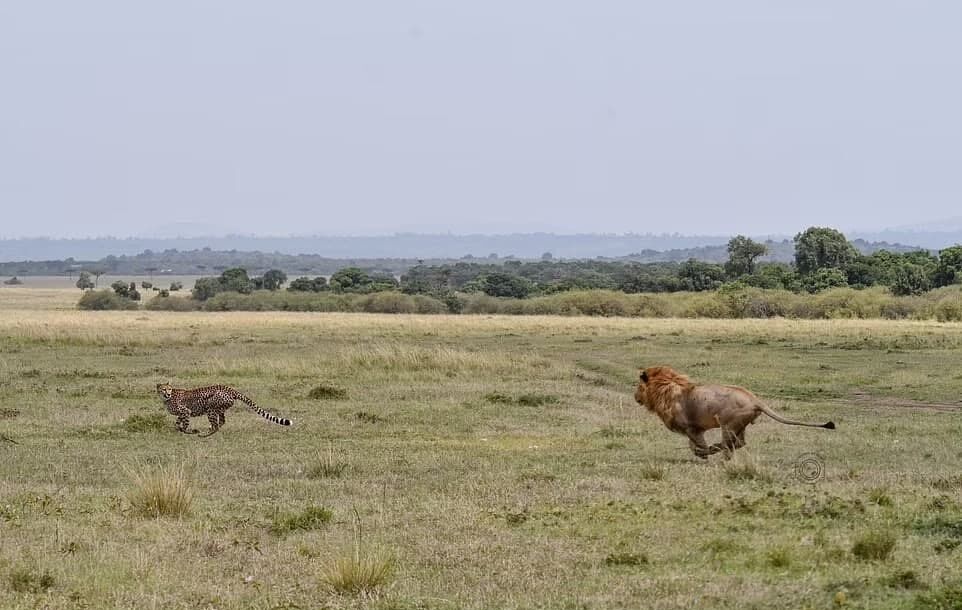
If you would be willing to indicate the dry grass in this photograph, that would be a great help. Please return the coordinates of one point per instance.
(581, 500)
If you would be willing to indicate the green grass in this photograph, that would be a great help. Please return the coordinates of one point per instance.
(583, 499)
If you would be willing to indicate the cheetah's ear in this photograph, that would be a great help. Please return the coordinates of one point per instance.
(644, 376)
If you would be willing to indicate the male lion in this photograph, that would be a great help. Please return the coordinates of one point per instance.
(691, 409)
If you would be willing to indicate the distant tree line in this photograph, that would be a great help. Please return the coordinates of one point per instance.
(824, 258)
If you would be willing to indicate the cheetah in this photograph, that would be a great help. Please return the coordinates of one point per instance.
(212, 401)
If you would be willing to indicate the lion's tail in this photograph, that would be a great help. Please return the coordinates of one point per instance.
(761, 407)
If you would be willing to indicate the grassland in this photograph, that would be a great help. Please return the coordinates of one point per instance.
(493, 462)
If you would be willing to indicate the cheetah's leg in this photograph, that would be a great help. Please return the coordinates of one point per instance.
(183, 422)
(215, 417)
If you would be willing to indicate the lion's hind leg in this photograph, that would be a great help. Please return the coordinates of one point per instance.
(731, 440)
(696, 440)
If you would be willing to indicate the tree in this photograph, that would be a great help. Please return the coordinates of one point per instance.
(500, 284)
(205, 288)
(349, 279)
(910, 279)
(274, 278)
(132, 293)
(235, 280)
(949, 269)
(84, 282)
(823, 279)
(306, 284)
(742, 253)
(822, 248)
(121, 288)
(698, 276)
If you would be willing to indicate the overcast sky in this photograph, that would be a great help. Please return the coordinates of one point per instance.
(124, 118)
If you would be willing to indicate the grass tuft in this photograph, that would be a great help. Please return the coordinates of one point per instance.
(364, 572)
(327, 392)
(874, 546)
(780, 557)
(879, 496)
(652, 472)
(746, 471)
(311, 518)
(146, 423)
(905, 579)
(368, 418)
(952, 483)
(524, 400)
(326, 467)
(161, 492)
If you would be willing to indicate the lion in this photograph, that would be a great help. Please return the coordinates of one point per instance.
(691, 409)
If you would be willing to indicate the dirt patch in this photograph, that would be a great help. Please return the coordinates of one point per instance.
(866, 399)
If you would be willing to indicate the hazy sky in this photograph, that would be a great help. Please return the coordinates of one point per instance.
(368, 117)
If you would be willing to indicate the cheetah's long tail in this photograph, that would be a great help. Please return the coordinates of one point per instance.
(250, 403)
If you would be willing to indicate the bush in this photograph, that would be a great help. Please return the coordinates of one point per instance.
(169, 303)
(100, 300)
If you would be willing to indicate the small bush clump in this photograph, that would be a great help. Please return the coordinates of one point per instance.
(368, 418)
(146, 423)
(162, 492)
(626, 559)
(327, 392)
(24, 579)
(311, 518)
(874, 545)
(101, 300)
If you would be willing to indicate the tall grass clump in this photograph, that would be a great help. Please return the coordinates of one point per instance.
(361, 573)
(161, 492)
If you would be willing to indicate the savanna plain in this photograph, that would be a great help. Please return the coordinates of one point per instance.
(471, 462)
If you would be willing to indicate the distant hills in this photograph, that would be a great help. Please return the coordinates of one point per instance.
(394, 254)
(649, 247)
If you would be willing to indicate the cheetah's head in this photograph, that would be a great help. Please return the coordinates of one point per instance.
(165, 390)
